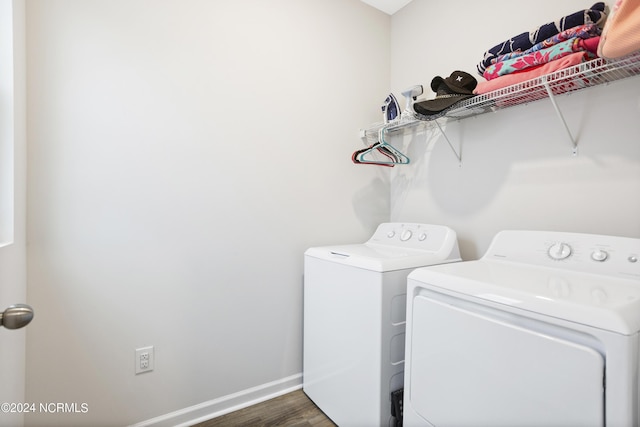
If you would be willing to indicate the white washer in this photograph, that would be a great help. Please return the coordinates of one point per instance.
(354, 318)
(542, 331)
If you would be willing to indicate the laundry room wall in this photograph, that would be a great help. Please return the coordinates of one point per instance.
(182, 156)
(517, 171)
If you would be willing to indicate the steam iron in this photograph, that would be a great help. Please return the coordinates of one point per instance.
(390, 109)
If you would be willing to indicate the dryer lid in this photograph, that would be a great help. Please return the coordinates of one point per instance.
(589, 279)
(602, 302)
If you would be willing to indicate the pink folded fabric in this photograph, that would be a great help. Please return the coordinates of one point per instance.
(621, 33)
(585, 31)
(541, 57)
(515, 78)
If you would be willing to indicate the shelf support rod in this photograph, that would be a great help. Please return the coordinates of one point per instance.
(574, 145)
(458, 156)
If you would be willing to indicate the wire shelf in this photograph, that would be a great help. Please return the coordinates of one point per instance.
(592, 73)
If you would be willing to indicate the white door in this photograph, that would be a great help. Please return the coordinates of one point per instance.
(12, 209)
(471, 368)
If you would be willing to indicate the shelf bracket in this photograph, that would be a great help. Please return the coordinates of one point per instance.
(458, 155)
(574, 144)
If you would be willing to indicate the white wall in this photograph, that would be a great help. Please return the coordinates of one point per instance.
(517, 170)
(182, 156)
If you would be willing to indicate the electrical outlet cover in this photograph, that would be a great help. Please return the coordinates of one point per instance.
(144, 359)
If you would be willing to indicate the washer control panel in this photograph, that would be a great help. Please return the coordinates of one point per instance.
(414, 236)
(611, 255)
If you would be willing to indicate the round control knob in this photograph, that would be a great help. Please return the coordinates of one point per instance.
(422, 237)
(406, 235)
(599, 255)
(633, 258)
(559, 251)
(391, 234)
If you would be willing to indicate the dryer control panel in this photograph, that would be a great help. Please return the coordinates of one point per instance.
(589, 253)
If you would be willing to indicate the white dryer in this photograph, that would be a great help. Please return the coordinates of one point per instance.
(354, 318)
(542, 331)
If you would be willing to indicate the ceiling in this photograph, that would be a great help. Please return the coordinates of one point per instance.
(388, 6)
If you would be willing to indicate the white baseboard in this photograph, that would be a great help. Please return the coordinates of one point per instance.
(225, 404)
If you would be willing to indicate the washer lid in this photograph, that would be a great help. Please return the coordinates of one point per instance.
(590, 299)
(380, 257)
(396, 246)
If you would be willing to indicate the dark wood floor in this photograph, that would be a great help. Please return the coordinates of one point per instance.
(291, 410)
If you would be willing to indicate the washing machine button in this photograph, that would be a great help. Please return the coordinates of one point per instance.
(406, 235)
(559, 251)
(599, 255)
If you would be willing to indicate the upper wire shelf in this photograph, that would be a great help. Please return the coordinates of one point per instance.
(592, 73)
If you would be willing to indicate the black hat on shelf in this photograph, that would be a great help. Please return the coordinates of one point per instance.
(455, 88)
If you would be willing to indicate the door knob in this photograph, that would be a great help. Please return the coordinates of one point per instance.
(16, 316)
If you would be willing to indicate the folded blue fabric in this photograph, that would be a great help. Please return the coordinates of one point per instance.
(597, 14)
